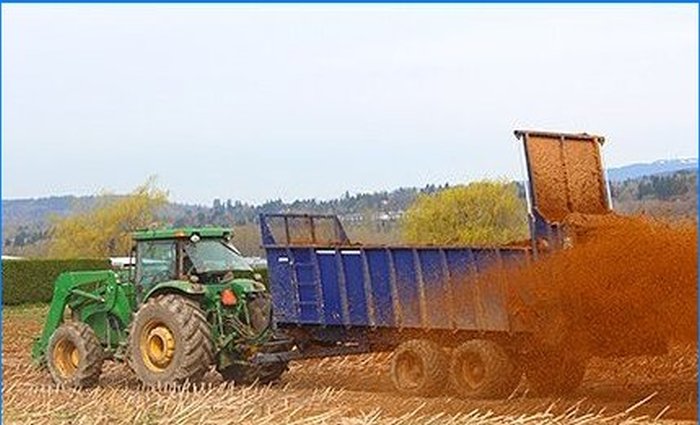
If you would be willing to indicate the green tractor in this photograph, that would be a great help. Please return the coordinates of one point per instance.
(188, 302)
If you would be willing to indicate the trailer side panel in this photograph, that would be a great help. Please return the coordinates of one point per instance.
(402, 287)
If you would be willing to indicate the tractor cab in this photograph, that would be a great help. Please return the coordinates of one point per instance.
(203, 256)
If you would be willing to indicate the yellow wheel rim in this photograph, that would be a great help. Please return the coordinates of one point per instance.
(157, 345)
(66, 357)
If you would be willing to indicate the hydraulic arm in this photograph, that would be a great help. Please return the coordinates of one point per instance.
(89, 294)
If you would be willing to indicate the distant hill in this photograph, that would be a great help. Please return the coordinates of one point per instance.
(33, 211)
(663, 166)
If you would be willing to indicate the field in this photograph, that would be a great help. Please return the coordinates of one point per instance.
(351, 390)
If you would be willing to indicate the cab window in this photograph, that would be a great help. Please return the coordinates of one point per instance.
(155, 262)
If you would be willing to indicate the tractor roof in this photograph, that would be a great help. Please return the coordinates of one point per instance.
(181, 233)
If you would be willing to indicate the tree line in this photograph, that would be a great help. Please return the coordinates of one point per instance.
(371, 217)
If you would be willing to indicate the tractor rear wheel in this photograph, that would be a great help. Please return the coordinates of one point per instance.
(481, 368)
(170, 341)
(555, 374)
(250, 374)
(74, 356)
(419, 367)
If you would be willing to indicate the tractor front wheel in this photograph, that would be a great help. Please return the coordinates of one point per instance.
(170, 341)
(74, 356)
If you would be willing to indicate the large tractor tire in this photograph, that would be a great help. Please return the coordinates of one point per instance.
(482, 368)
(74, 356)
(419, 368)
(555, 374)
(170, 341)
(250, 374)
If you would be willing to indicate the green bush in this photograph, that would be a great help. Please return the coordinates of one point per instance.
(31, 281)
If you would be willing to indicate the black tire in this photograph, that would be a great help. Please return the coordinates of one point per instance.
(419, 368)
(249, 374)
(482, 368)
(170, 341)
(74, 356)
(260, 312)
(554, 374)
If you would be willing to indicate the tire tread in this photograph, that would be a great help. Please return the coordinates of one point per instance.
(93, 358)
(502, 374)
(434, 360)
(198, 354)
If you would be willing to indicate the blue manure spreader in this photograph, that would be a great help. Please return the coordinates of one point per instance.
(425, 304)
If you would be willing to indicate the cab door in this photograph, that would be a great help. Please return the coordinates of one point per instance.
(156, 262)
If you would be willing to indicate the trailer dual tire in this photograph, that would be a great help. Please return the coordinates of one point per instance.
(74, 356)
(419, 368)
(170, 341)
(555, 374)
(482, 368)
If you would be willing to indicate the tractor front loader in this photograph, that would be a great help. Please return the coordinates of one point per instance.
(191, 302)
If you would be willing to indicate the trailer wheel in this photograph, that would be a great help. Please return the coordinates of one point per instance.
(555, 374)
(249, 374)
(170, 341)
(74, 356)
(419, 367)
(483, 369)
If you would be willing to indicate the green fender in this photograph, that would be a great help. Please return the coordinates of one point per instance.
(182, 286)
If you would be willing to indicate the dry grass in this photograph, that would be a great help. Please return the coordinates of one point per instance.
(351, 390)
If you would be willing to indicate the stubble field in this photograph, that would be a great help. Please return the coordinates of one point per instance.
(350, 390)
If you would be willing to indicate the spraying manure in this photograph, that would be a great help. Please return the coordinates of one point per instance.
(626, 287)
(616, 285)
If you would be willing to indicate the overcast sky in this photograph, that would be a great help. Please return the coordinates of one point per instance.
(256, 102)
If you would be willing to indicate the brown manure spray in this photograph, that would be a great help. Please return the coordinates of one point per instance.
(627, 286)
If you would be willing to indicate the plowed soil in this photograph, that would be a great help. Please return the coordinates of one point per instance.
(350, 390)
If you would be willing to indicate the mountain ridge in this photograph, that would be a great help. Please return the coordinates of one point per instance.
(642, 169)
